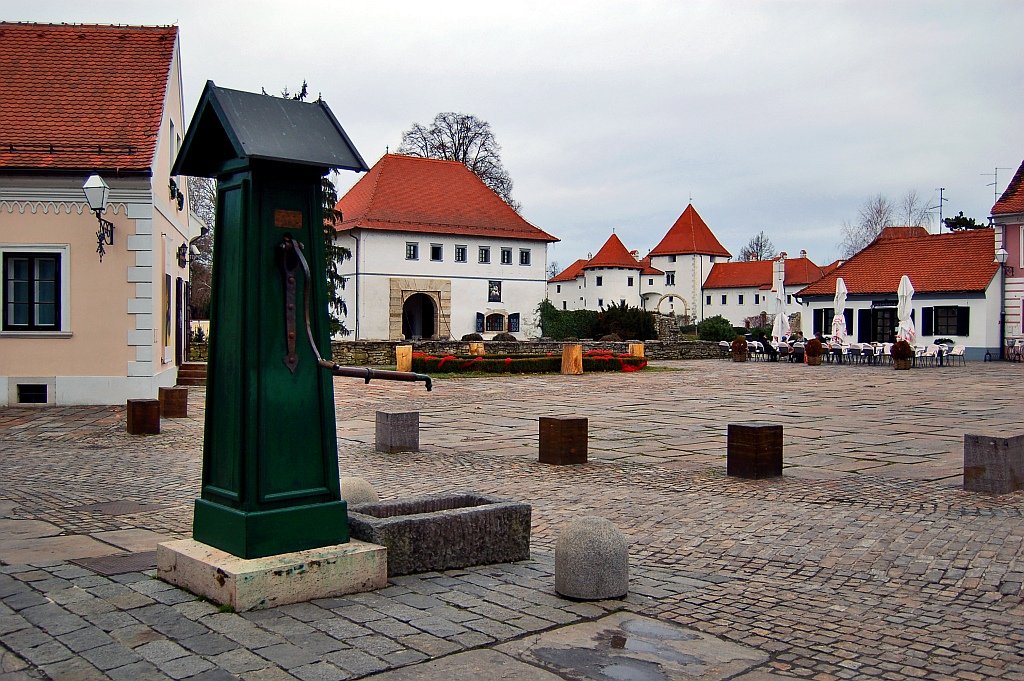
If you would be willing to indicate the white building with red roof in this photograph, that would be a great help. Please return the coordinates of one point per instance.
(437, 254)
(1008, 218)
(956, 290)
(739, 291)
(612, 276)
(79, 100)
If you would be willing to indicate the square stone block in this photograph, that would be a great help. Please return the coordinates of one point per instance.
(144, 417)
(174, 402)
(398, 431)
(563, 440)
(993, 465)
(256, 583)
(754, 450)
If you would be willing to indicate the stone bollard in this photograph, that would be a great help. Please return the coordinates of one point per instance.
(403, 358)
(591, 560)
(572, 360)
(563, 440)
(398, 431)
(476, 349)
(357, 491)
(993, 465)
(143, 417)
(636, 350)
(754, 450)
(174, 402)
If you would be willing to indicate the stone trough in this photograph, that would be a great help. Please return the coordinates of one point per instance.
(444, 531)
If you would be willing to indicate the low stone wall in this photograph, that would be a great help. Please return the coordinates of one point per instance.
(382, 353)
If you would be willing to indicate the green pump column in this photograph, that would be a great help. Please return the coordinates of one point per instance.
(270, 459)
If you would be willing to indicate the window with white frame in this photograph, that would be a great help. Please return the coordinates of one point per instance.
(506, 256)
(460, 254)
(34, 290)
(740, 298)
(629, 281)
(484, 255)
(412, 250)
(436, 252)
(670, 279)
(524, 256)
(599, 281)
(724, 298)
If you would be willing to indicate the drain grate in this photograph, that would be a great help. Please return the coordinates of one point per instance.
(119, 507)
(120, 563)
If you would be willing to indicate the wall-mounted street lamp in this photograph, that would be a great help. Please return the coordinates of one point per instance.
(187, 252)
(96, 193)
(1004, 271)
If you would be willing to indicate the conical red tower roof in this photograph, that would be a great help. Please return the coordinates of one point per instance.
(613, 254)
(690, 235)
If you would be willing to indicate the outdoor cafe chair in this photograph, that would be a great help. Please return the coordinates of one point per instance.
(931, 354)
(724, 348)
(887, 352)
(856, 352)
(957, 352)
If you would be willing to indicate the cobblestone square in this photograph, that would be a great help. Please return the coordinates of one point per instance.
(866, 559)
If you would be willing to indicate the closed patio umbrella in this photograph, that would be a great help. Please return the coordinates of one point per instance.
(904, 295)
(780, 327)
(839, 306)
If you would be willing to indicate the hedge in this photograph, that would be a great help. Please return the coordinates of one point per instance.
(594, 360)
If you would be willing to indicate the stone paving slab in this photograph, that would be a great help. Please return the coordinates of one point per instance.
(832, 571)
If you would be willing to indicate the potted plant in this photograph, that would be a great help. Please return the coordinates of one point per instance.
(813, 350)
(902, 354)
(739, 349)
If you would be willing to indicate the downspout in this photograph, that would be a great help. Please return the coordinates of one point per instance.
(355, 277)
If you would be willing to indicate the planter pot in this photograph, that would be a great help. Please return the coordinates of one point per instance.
(739, 356)
(902, 364)
(813, 361)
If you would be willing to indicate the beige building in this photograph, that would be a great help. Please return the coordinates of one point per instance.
(88, 317)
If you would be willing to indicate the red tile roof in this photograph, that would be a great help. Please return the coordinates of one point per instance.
(648, 269)
(1012, 200)
(613, 254)
(900, 232)
(758, 273)
(411, 194)
(831, 266)
(956, 261)
(689, 235)
(82, 97)
(569, 273)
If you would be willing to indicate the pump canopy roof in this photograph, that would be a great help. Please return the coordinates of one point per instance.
(230, 125)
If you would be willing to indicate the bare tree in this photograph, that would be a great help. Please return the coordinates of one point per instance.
(202, 193)
(760, 247)
(876, 214)
(553, 269)
(464, 138)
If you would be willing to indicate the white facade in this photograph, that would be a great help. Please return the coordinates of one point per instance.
(739, 304)
(604, 286)
(567, 295)
(683, 281)
(873, 315)
(459, 291)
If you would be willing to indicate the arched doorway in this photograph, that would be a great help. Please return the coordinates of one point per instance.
(419, 315)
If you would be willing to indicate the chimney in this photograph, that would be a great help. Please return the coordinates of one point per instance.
(803, 254)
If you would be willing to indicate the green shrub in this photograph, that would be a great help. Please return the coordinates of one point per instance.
(564, 324)
(472, 337)
(503, 336)
(625, 322)
(716, 329)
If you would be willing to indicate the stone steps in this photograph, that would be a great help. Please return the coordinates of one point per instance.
(192, 373)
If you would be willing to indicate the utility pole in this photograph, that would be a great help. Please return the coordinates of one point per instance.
(995, 182)
(941, 201)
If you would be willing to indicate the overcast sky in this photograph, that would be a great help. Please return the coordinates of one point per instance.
(781, 116)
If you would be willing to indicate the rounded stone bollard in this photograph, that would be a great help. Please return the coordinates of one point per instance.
(591, 560)
(357, 491)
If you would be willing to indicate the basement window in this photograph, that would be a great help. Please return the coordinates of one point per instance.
(32, 393)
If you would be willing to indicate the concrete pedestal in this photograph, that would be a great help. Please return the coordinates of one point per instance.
(174, 402)
(398, 431)
(563, 440)
(993, 465)
(754, 450)
(143, 417)
(257, 583)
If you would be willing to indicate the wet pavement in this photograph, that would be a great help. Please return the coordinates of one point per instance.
(865, 560)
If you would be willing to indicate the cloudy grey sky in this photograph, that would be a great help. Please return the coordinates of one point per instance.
(776, 115)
